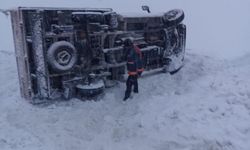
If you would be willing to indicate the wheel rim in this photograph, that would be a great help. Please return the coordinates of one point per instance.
(64, 57)
(172, 14)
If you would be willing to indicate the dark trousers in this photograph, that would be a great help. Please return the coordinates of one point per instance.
(131, 81)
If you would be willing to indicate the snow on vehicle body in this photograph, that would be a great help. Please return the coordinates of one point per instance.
(64, 52)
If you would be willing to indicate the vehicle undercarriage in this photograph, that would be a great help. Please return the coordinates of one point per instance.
(71, 53)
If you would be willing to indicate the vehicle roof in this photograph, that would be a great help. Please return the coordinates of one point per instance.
(63, 8)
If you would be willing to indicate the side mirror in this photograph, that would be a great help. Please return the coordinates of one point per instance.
(145, 8)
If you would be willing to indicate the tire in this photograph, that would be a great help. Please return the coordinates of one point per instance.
(173, 17)
(62, 56)
(90, 91)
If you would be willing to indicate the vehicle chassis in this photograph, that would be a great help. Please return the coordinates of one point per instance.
(89, 47)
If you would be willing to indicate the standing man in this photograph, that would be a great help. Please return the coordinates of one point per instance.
(134, 66)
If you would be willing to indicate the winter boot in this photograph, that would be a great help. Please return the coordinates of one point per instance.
(136, 90)
(125, 98)
(127, 95)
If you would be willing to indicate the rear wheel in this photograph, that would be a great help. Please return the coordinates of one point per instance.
(90, 90)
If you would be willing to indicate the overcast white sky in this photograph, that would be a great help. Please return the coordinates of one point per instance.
(214, 26)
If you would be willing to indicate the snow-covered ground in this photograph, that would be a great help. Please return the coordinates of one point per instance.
(205, 106)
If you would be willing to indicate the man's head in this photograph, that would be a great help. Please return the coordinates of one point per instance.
(128, 42)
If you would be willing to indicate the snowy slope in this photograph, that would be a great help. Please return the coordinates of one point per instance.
(205, 106)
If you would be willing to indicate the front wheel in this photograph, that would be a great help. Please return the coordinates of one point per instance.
(173, 17)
